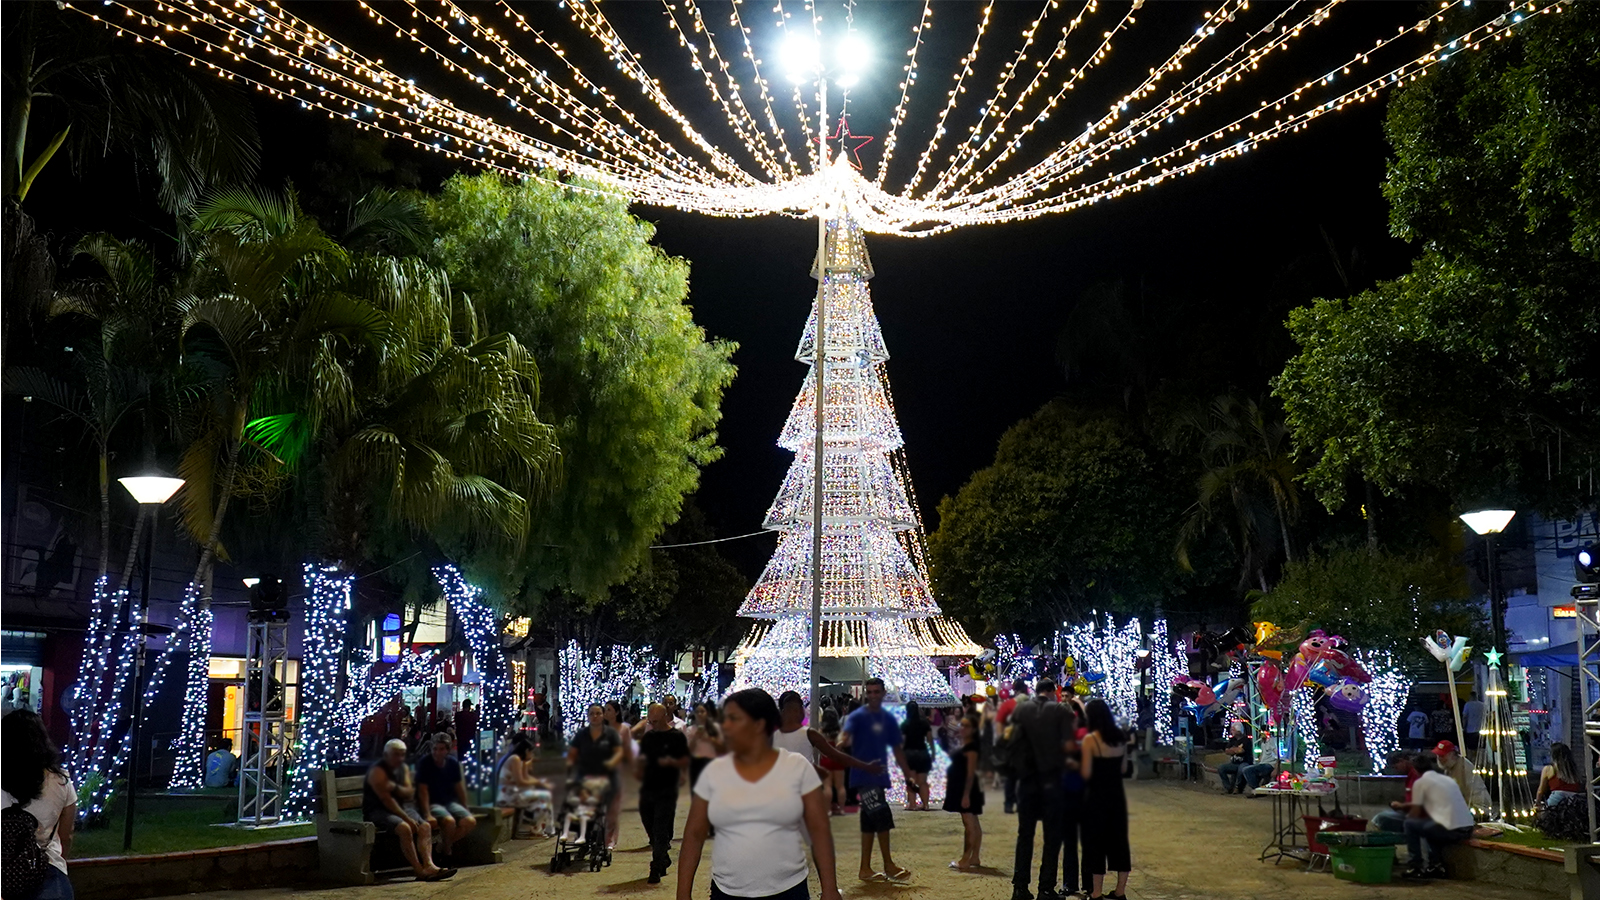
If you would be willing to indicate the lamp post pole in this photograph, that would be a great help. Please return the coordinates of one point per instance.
(149, 491)
(137, 705)
(820, 366)
(1497, 605)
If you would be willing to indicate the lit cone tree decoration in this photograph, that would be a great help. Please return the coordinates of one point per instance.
(876, 603)
(1501, 759)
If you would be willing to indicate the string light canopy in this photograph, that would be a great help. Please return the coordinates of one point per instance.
(684, 109)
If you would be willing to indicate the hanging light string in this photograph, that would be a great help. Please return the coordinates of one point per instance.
(968, 151)
(1126, 181)
(739, 117)
(1061, 165)
(892, 139)
(579, 129)
(953, 97)
(1175, 103)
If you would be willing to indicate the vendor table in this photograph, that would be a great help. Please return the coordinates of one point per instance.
(1288, 825)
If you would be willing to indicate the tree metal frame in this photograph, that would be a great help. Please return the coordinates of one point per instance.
(265, 738)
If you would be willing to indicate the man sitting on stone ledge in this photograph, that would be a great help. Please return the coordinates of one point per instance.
(1437, 814)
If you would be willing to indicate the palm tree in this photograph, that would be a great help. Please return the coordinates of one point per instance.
(1246, 486)
(96, 94)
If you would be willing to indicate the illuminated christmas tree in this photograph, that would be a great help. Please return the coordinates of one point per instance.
(876, 605)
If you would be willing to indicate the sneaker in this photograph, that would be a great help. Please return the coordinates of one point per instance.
(1435, 871)
(1415, 870)
(655, 876)
(1048, 894)
(1021, 893)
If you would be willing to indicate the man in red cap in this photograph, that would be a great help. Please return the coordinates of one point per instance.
(1459, 768)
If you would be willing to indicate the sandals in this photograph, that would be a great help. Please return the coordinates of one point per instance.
(899, 875)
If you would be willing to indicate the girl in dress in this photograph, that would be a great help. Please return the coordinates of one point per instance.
(963, 793)
(1105, 807)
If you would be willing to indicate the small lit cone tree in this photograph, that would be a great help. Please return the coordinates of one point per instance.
(1501, 759)
(876, 604)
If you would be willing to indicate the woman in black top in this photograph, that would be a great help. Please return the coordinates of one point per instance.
(918, 734)
(964, 794)
(1105, 808)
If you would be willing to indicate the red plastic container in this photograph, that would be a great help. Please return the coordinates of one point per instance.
(1315, 824)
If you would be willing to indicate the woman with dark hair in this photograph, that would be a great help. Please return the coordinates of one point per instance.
(1559, 780)
(1105, 808)
(964, 794)
(761, 800)
(612, 715)
(918, 734)
(520, 790)
(31, 777)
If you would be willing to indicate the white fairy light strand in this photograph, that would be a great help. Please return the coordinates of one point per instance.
(302, 63)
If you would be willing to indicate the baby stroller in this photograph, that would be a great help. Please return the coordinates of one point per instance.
(583, 825)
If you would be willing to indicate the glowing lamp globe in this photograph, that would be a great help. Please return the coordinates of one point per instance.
(852, 54)
(151, 488)
(1488, 521)
(802, 59)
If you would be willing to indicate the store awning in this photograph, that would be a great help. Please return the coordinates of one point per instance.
(1560, 655)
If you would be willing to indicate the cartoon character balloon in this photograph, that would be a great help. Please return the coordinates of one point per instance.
(1348, 697)
(1453, 652)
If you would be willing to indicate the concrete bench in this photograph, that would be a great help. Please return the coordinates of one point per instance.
(1538, 872)
(352, 851)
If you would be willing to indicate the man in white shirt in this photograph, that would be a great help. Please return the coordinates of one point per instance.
(1417, 728)
(1437, 814)
(1472, 720)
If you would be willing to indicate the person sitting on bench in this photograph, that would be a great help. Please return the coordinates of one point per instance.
(442, 794)
(1437, 814)
(388, 801)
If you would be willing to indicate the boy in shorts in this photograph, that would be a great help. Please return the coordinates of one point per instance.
(873, 733)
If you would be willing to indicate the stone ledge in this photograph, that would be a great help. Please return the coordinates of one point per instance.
(1518, 849)
(268, 864)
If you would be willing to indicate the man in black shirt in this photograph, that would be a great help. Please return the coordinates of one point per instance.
(1043, 732)
(663, 758)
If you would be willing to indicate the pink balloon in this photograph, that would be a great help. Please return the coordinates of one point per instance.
(1269, 682)
(1297, 673)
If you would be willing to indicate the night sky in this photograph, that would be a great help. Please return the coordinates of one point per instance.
(972, 319)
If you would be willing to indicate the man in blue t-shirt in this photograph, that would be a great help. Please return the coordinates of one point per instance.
(442, 794)
(872, 734)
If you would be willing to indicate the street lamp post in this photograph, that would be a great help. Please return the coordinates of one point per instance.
(1488, 523)
(803, 59)
(150, 491)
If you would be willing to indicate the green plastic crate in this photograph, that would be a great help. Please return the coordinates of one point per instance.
(1363, 865)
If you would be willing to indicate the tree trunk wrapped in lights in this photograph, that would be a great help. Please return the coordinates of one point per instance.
(876, 604)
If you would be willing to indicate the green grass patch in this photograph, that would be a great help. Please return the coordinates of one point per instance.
(162, 825)
(1533, 838)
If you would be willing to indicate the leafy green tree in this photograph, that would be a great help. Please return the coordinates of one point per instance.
(1477, 372)
(1077, 512)
(686, 596)
(1375, 599)
(630, 383)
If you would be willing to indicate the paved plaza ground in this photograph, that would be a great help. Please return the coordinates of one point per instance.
(1188, 844)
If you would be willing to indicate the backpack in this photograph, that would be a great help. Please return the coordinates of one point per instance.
(1013, 751)
(23, 862)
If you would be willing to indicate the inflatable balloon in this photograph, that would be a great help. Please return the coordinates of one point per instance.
(1269, 683)
(1453, 652)
(1348, 697)
(1081, 688)
(1094, 677)
(1322, 674)
(1296, 675)
(1228, 690)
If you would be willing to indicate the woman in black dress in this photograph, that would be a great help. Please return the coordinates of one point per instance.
(1105, 808)
(963, 793)
(918, 735)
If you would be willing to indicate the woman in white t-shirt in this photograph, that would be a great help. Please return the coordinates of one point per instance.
(31, 776)
(761, 799)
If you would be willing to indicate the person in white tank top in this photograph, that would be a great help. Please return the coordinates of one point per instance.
(793, 735)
